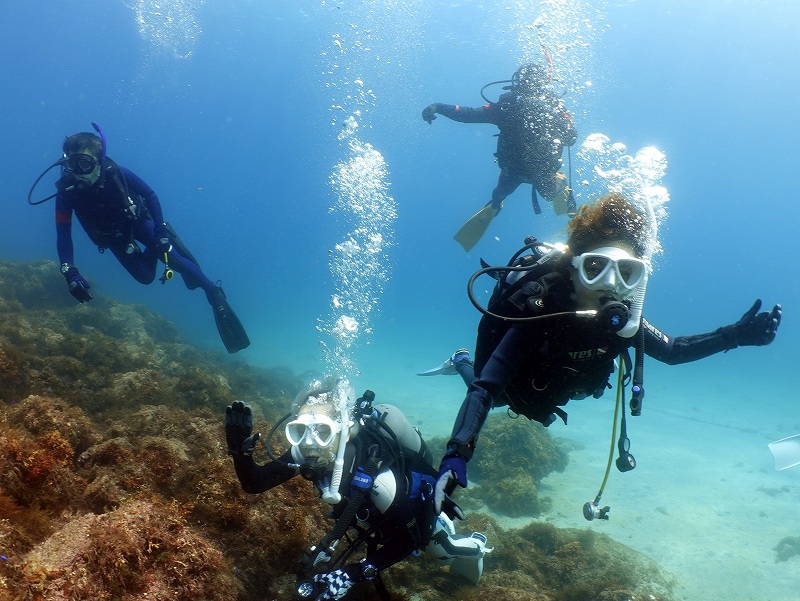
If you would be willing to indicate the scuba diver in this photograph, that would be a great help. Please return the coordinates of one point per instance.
(374, 469)
(534, 129)
(558, 319)
(120, 212)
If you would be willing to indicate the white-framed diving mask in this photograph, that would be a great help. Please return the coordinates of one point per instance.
(611, 269)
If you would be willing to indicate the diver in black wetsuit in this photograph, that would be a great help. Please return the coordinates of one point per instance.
(373, 467)
(556, 323)
(120, 212)
(534, 129)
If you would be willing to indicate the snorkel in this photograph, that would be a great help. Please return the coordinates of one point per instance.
(102, 140)
(636, 300)
(637, 297)
(345, 403)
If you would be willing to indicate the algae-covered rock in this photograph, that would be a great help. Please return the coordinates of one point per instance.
(511, 458)
(140, 551)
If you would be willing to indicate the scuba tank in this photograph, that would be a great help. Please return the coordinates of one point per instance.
(384, 487)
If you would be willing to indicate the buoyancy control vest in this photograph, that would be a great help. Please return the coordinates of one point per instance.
(569, 357)
(530, 135)
(109, 210)
(389, 486)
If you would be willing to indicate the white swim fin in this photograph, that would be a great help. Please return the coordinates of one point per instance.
(786, 452)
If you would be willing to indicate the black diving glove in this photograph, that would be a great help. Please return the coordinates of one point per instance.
(757, 329)
(161, 234)
(78, 286)
(239, 429)
(429, 112)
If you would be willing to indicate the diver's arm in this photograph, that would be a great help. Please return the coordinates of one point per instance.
(137, 185)
(754, 328)
(488, 113)
(260, 478)
(683, 349)
(64, 230)
(503, 364)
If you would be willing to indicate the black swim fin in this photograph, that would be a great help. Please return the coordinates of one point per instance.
(230, 328)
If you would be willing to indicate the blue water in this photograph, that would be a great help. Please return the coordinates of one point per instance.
(232, 111)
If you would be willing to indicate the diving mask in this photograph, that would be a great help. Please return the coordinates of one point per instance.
(82, 164)
(610, 268)
(312, 430)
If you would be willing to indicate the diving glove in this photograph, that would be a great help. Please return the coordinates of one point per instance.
(757, 329)
(429, 112)
(78, 286)
(452, 472)
(239, 429)
(328, 586)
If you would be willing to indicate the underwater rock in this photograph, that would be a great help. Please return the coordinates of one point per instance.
(140, 551)
(541, 563)
(511, 459)
(787, 547)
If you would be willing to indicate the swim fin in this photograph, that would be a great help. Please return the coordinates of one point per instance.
(563, 195)
(447, 368)
(230, 328)
(474, 229)
(786, 452)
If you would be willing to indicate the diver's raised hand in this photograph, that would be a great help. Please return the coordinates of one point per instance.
(429, 112)
(757, 329)
(239, 429)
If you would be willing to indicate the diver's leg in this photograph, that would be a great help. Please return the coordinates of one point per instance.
(140, 264)
(464, 365)
(193, 276)
(229, 327)
(178, 258)
(506, 184)
(553, 187)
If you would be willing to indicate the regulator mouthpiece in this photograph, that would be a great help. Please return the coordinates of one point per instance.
(591, 511)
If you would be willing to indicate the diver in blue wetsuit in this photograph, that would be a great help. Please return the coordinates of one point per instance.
(121, 213)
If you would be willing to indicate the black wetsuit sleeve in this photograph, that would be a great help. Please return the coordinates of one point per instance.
(488, 113)
(138, 186)
(684, 349)
(502, 365)
(64, 244)
(260, 478)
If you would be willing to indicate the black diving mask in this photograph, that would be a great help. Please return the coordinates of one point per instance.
(79, 163)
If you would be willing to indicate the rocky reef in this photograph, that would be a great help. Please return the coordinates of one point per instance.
(115, 484)
(513, 457)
